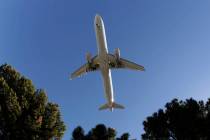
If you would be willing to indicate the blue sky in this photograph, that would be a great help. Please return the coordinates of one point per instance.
(47, 40)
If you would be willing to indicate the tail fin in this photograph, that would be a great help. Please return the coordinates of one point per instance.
(114, 105)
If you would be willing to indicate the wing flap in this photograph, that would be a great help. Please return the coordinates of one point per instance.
(123, 63)
(131, 65)
(79, 72)
(88, 67)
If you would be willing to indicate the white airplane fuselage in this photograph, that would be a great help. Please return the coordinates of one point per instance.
(103, 59)
(104, 62)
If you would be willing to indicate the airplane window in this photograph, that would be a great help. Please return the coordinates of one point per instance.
(98, 26)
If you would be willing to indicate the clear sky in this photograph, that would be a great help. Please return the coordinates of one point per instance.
(46, 40)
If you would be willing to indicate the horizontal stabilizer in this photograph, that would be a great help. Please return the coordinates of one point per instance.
(105, 106)
(114, 105)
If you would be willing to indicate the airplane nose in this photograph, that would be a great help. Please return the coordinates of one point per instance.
(97, 18)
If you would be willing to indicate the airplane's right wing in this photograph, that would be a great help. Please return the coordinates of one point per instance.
(88, 67)
(123, 63)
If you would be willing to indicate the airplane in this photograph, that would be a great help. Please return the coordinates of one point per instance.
(104, 62)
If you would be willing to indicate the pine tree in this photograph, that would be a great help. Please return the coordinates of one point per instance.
(25, 112)
(185, 120)
(100, 132)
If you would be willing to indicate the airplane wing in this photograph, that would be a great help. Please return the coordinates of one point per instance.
(88, 67)
(123, 63)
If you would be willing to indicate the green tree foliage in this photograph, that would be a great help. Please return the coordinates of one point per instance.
(25, 113)
(100, 132)
(78, 133)
(124, 136)
(180, 120)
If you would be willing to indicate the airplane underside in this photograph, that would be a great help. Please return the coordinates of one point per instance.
(104, 62)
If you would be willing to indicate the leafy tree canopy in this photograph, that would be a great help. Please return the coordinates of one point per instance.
(180, 120)
(100, 132)
(25, 113)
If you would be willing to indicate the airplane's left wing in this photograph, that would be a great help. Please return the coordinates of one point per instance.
(88, 67)
(123, 63)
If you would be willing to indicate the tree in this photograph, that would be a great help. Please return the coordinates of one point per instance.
(25, 112)
(100, 132)
(78, 133)
(179, 120)
(124, 136)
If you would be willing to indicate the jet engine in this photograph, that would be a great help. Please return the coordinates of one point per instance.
(117, 53)
(88, 58)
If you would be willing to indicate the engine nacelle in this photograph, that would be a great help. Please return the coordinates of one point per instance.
(117, 53)
(88, 57)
